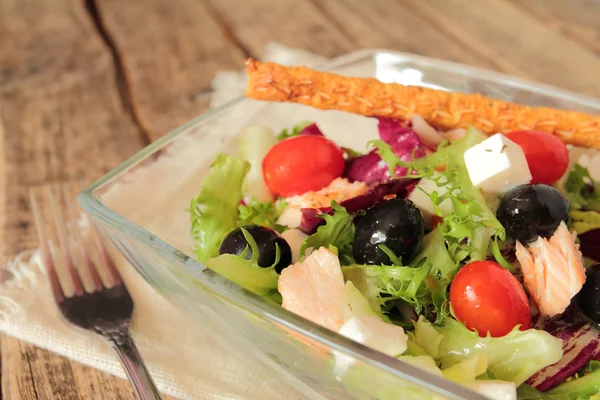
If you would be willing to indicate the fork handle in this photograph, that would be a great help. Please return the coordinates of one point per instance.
(136, 371)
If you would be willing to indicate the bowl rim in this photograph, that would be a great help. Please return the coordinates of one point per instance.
(257, 305)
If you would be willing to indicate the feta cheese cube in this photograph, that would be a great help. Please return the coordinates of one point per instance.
(497, 165)
(420, 197)
(373, 332)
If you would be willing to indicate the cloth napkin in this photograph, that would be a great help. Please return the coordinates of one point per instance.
(183, 361)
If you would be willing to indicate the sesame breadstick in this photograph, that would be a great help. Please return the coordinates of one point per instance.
(443, 110)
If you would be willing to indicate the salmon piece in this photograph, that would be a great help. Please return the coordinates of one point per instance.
(339, 189)
(314, 289)
(553, 270)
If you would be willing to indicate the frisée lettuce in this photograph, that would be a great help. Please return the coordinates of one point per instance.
(468, 229)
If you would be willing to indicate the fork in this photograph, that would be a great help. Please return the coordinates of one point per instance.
(105, 309)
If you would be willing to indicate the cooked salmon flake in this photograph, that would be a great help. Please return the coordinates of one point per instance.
(313, 289)
(553, 270)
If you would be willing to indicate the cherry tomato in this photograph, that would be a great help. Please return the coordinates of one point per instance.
(547, 155)
(301, 164)
(488, 298)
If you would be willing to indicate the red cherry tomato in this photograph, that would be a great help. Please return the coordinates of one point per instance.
(301, 164)
(488, 298)
(547, 155)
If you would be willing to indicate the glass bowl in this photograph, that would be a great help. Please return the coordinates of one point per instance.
(141, 205)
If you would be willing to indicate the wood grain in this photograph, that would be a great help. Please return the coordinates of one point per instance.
(576, 19)
(518, 39)
(169, 63)
(372, 27)
(41, 40)
(294, 23)
(85, 84)
(61, 118)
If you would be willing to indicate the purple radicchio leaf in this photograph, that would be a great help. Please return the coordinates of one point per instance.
(371, 169)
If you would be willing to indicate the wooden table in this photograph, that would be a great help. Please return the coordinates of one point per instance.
(86, 84)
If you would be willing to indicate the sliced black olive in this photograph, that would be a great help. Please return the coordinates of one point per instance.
(529, 211)
(266, 240)
(396, 224)
(588, 298)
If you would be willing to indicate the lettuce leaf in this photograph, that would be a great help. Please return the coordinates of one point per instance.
(253, 145)
(261, 213)
(513, 358)
(581, 189)
(214, 212)
(295, 131)
(423, 283)
(338, 231)
(584, 221)
(586, 387)
(467, 230)
(247, 273)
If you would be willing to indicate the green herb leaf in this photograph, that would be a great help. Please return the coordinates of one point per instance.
(499, 257)
(423, 283)
(584, 221)
(338, 231)
(295, 131)
(512, 358)
(261, 213)
(468, 228)
(581, 190)
(214, 212)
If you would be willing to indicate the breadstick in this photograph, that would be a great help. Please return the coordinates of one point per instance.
(443, 110)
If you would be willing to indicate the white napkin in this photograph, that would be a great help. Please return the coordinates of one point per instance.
(183, 361)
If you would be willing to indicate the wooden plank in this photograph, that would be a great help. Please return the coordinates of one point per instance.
(533, 47)
(69, 43)
(294, 23)
(393, 25)
(577, 19)
(61, 118)
(170, 52)
(74, 129)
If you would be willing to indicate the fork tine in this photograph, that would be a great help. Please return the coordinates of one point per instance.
(61, 229)
(45, 250)
(104, 255)
(87, 267)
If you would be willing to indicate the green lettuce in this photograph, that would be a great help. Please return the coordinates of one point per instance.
(261, 213)
(423, 283)
(467, 230)
(581, 190)
(247, 273)
(586, 387)
(295, 131)
(338, 231)
(214, 212)
(512, 358)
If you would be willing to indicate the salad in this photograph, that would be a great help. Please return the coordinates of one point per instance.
(466, 252)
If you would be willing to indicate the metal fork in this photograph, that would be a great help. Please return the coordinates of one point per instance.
(105, 309)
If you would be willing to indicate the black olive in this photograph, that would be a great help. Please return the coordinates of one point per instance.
(266, 239)
(395, 223)
(529, 211)
(588, 298)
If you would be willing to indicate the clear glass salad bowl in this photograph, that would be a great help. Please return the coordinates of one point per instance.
(141, 205)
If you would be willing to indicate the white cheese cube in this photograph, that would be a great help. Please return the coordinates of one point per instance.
(420, 196)
(295, 238)
(373, 332)
(497, 165)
